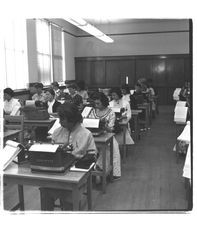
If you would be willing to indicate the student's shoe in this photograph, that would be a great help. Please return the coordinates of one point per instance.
(116, 178)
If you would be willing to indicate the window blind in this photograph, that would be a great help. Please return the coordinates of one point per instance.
(15, 55)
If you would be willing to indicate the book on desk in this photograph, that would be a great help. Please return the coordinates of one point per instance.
(180, 114)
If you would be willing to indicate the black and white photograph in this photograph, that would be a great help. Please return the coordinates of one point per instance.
(97, 120)
(98, 114)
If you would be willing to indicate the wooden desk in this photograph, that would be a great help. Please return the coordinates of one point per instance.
(73, 181)
(124, 124)
(135, 115)
(102, 143)
(11, 135)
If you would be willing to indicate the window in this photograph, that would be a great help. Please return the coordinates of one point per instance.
(43, 51)
(15, 55)
(57, 53)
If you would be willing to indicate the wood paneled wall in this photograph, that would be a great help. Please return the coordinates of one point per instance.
(168, 72)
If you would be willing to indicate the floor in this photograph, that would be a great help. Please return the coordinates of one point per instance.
(151, 177)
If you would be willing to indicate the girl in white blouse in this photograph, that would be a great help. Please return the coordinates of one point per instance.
(118, 102)
(11, 105)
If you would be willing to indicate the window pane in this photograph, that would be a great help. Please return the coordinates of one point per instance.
(57, 69)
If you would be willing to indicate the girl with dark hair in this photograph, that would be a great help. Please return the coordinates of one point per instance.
(125, 93)
(39, 95)
(57, 90)
(11, 105)
(51, 102)
(82, 91)
(72, 133)
(107, 117)
(73, 96)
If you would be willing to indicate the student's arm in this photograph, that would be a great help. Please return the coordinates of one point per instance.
(128, 110)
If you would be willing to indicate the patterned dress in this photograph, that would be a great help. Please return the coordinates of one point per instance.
(108, 117)
(123, 104)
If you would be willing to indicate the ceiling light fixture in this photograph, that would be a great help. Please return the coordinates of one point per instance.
(82, 24)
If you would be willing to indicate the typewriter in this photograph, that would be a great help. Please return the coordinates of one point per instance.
(35, 110)
(50, 158)
(94, 125)
(119, 113)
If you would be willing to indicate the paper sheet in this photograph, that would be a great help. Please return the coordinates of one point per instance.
(86, 112)
(91, 123)
(132, 91)
(44, 147)
(185, 135)
(55, 126)
(116, 110)
(187, 165)
(9, 153)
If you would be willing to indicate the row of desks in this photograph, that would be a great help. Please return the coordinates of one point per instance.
(73, 181)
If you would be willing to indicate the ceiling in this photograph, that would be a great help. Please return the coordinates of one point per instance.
(97, 21)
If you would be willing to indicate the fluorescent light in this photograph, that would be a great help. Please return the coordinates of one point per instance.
(82, 24)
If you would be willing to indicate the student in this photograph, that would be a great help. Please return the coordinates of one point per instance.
(107, 117)
(57, 90)
(51, 102)
(118, 102)
(70, 132)
(74, 97)
(39, 95)
(125, 93)
(11, 105)
(137, 97)
(82, 91)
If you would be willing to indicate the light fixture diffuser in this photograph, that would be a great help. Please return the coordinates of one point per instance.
(82, 24)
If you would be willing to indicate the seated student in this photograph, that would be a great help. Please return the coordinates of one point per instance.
(70, 132)
(107, 117)
(82, 91)
(57, 90)
(51, 102)
(73, 96)
(125, 93)
(118, 102)
(39, 95)
(11, 105)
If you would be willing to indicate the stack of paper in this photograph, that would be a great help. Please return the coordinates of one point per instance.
(185, 135)
(179, 104)
(176, 94)
(180, 114)
(44, 147)
(9, 152)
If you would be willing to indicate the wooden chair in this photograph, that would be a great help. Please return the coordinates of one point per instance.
(15, 122)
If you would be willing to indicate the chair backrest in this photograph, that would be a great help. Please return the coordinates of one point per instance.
(15, 122)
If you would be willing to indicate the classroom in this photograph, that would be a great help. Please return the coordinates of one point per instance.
(97, 115)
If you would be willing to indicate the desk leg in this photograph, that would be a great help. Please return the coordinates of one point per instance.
(135, 127)
(124, 143)
(21, 197)
(111, 159)
(89, 191)
(104, 149)
(75, 198)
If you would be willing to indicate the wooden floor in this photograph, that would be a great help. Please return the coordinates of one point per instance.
(151, 178)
